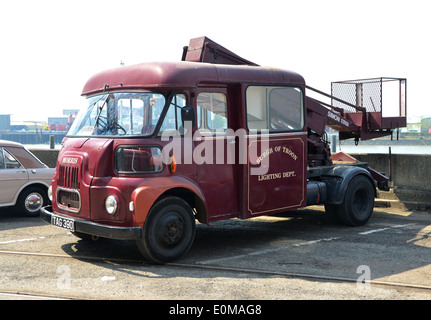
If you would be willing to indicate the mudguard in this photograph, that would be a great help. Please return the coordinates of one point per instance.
(338, 179)
(147, 194)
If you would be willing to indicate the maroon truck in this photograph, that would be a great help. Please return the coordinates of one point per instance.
(212, 137)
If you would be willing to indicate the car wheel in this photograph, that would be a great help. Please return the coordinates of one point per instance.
(31, 200)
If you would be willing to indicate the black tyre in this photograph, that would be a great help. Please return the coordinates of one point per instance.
(31, 200)
(358, 203)
(168, 231)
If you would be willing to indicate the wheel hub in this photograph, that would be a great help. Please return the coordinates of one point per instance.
(170, 230)
(33, 202)
(174, 231)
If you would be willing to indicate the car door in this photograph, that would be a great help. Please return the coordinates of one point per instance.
(13, 176)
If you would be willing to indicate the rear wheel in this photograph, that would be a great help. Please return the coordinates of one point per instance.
(31, 200)
(168, 231)
(358, 203)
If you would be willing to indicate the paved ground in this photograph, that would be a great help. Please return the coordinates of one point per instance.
(295, 255)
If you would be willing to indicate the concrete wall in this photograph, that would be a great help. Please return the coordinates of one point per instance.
(411, 174)
(47, 156)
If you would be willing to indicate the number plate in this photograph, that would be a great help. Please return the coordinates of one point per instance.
(61, 222)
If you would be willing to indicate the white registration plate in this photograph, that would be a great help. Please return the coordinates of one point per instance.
(61, 222)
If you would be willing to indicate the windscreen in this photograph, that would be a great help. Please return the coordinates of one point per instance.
(125, 114)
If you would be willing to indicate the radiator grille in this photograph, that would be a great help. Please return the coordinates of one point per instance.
(69, 177)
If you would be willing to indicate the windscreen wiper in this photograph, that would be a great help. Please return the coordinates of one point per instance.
(100, 111)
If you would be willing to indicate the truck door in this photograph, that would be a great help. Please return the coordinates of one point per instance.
(214, 148)
(276, 169)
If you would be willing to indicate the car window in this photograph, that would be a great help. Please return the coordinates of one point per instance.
(1, 159)
(9, 161)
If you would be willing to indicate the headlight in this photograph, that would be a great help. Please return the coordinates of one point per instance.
(50, 193)
(111, 204)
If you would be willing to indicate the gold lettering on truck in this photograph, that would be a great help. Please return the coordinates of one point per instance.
(269, 151)
(279, 175)
(264, 155)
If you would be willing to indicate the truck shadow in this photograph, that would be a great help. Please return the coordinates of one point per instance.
(303, 242)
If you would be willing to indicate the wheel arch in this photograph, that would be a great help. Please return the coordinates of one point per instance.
(145, 197)
(192, 199)
(338, 180)
(40, 185)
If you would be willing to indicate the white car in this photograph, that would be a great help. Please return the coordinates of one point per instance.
(24, 179)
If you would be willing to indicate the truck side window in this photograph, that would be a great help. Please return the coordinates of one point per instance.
(212, 111)
(275, 108)
(172, 120)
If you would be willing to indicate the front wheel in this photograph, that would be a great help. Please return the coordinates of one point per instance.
(168, 231)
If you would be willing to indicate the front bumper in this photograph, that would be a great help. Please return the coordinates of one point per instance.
(96, 229)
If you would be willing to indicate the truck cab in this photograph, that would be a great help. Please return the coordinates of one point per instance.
(160, 145)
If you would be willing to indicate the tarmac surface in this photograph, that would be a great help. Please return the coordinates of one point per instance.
(296, 255)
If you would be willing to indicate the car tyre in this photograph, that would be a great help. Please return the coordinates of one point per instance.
(31, 200)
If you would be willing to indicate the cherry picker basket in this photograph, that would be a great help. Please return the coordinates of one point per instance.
(384, 101)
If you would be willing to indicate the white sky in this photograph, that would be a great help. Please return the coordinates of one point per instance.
(49, 49)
